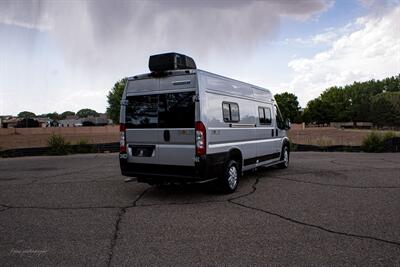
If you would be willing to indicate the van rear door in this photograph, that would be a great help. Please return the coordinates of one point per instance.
(176, 123)
(141, 120)
(160, 121)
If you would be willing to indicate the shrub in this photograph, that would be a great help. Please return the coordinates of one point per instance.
(389, 135)
(58, 145)
(391, 142)
(83, 146)
(375, 142)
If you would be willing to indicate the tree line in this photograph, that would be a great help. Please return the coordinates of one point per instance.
(83, 113)
(376, 101)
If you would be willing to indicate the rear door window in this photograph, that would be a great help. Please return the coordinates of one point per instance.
(171, 110)
(176, 110)
(141, 111)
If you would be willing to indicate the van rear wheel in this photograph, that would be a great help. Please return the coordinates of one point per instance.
(284, 157)
(230, 179)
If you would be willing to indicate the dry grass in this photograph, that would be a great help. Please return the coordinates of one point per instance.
(37, 137)
(329, 136)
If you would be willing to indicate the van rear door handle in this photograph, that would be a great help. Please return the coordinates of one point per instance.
(167, 136)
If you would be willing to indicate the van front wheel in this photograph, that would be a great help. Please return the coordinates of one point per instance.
(230, 179)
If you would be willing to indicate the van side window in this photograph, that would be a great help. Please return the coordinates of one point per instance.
(264, 115)
(230, 112)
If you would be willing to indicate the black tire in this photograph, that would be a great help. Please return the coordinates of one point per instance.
(230, 178)
(285, 157)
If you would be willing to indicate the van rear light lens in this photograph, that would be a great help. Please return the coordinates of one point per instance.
(122, 141)
(200, 139)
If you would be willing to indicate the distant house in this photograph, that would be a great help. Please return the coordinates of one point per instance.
(359, 125)
(74, 121)
(9, 122)
(27, 123)
(70, 122)
(43, 121)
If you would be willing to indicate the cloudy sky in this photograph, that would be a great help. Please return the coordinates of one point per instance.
(66, 55)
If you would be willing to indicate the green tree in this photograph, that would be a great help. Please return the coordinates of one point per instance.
(386, 109)
(83, 113)
(26, 114)
(289, 106)
(392, 84)
(114, 100)
(354, 102)
(318, 111)
(65, 114)
(337, 102)
(53, 116)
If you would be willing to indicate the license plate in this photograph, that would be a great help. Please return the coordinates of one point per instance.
(142, 151)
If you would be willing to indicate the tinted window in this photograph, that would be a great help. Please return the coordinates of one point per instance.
(174, 110)
(230, 112)
(261, 115)
(226, 112)
(264, 115)
(234, 112)
(141, 112)
(267, 112)
(279, 119)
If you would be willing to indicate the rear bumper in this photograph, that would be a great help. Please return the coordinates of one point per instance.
(207, 167)
(158, 171)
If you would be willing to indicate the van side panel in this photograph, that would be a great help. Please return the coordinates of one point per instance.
(222, 137)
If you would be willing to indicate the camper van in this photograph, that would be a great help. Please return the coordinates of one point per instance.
(182, 124)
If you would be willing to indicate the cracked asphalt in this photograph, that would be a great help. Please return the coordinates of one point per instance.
(326, 209)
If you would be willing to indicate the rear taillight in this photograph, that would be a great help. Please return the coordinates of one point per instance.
(200, 139)
(122, 141)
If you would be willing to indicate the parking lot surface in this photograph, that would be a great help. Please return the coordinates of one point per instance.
(326, 209)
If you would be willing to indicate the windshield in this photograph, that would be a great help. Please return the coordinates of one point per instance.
(172, 110)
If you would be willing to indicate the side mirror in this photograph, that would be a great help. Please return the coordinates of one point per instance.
(287, 124)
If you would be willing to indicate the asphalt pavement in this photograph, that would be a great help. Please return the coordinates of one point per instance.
(330, 209)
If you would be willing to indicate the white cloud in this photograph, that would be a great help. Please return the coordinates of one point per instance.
(326, 37)
(370, 51)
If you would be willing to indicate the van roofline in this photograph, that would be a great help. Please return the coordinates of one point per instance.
(231, 79)
(169, 73)
(194, 71)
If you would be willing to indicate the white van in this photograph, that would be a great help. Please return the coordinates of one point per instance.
(182, 124)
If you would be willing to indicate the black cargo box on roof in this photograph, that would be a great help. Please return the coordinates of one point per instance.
(170, 61)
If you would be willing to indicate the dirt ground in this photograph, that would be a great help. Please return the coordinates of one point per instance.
(37, 137)
(328, 136)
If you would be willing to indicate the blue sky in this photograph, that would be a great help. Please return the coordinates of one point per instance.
(64, 55)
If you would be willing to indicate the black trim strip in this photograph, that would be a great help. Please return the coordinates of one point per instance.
(261, 158)
(245, 140)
